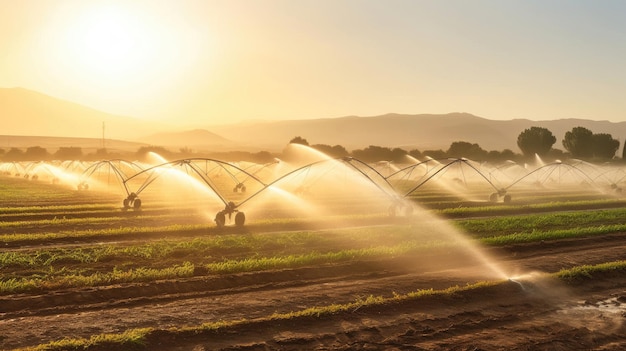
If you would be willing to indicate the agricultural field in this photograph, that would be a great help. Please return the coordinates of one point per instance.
(81, 271)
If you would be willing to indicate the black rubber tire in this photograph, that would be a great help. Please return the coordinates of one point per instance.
(240, 219)
(493, 197)
(137, 204)
(507, 198)
(126, 201)
(220, 219)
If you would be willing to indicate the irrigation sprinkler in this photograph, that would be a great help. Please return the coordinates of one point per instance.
(132, 202)
(115, 167)
(493, 197)
(397, 206)
(192, 167)
(549, 171)
(229, 209)
(239, 187)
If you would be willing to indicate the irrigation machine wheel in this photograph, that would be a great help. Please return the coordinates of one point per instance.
(220, 219)
(507, 198)
(240, 219)
(493, 197)
(137, 204)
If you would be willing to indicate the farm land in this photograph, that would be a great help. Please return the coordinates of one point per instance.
(545, 271)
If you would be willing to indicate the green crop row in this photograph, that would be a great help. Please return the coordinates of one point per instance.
(65, 277)
(33, 238)
(293, 248)
(527, 223)
(556, 234)
(57, 208)
(138, 338)
(498, 209)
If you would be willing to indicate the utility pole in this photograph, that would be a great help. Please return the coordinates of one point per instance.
(103, 145)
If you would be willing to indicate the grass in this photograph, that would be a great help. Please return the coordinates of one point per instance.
(557, 234)
(528, 223)
(587, 272)
(454, 210)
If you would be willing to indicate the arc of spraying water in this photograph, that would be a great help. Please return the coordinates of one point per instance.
(448, 165)
(557, 163)
(153, 175)
(308, 166)
(121, 176)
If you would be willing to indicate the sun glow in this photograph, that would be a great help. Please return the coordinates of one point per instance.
(118, 55)
(110, 41)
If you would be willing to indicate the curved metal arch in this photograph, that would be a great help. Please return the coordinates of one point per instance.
(189, 162)
(458, 160)
(347, 160)
(30, 166)
(121, 176)
(558, 163)
(16, 167)
(412, 167)
(256, 171)
(72, 165)
(507, 165)
(603, 174)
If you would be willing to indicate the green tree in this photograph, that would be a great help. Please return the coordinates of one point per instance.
(436, 154)
(501, 156)
(465, 149)
(299, 140)
(144, 152)
(535, 140)
(375, 153)
(69, 153)
(415, 153)
(579, 142)
(604, 146)
(336, 151)
(36, 153)
(14, 154)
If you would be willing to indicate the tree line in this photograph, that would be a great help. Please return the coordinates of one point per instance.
(579, 143)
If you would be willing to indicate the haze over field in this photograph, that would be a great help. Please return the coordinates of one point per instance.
(34, 114)
(196, 63)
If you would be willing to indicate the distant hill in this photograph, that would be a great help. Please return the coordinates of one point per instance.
(30, 113)
(422, 132)
(26, 112)
(198, 139)
(51, 144)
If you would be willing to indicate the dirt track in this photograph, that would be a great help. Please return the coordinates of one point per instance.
(538, 315)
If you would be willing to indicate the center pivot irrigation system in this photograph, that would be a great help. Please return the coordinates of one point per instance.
(219, 176)
(233, 185)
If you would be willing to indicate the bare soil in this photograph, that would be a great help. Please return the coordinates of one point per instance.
(531, 313)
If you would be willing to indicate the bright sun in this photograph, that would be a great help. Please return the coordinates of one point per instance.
(116, 55)
(111, 40)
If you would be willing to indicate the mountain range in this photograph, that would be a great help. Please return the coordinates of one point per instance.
(29, 113)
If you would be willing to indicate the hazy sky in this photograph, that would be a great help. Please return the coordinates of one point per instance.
(212, 62)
